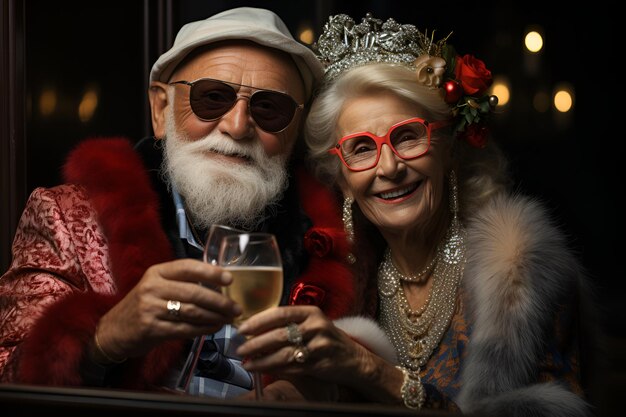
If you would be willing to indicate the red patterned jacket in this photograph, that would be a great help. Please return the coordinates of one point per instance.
(81, 246)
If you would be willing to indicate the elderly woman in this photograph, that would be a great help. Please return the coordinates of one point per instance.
(473, 286)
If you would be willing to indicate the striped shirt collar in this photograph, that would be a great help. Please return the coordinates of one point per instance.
(184, 228)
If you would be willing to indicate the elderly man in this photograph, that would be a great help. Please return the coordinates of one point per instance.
(103, 288)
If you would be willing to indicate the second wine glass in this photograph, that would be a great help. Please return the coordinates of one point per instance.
(211, 251)
(254, 261)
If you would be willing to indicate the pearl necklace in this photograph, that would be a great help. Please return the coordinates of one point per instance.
(419, 277)
(416, 334)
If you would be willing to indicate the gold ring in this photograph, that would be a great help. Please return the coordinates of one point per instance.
(301, 354)
(173, 308)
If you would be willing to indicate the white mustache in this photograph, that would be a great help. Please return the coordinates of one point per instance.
(222, 144)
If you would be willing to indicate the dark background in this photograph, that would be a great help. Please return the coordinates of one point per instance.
(573, 162)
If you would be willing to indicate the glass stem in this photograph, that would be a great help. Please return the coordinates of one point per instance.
(258, 385)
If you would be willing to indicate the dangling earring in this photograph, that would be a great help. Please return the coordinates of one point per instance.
(348, 226)
(454, 250)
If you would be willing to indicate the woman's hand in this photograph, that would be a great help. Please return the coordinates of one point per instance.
(325, 351)
(142, 319)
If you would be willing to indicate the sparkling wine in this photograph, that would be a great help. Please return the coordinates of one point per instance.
(254, 288)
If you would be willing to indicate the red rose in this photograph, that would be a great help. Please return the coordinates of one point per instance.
(318, 242)
(473, 75)
(302, 294)
(475, 135)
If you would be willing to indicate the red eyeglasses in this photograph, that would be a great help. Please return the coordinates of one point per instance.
(408, 139)
(211, 99)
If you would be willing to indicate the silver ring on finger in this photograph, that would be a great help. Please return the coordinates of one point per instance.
(294, 336)
(173, 308)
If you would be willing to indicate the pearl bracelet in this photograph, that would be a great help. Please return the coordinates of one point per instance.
(412, 390)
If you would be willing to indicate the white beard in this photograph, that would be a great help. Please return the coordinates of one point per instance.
(218, 191)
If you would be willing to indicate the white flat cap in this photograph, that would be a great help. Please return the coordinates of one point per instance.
(257, 25)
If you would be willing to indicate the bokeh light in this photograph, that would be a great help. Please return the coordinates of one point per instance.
(533, 41)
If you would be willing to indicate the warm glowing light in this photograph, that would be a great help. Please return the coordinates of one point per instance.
(500, 88)
(306, 35)
(541, 101)
(563, 101)
(47, 102)
(87, 106)
(533, 41)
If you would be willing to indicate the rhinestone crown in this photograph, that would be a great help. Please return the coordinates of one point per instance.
(344, 44)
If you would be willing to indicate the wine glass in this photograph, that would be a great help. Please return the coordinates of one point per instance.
(254, 261)
(211, 251)
(217, 232)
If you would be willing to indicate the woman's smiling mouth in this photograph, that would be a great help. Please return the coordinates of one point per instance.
(400, 193)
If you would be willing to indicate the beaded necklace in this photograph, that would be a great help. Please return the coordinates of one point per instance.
(416, 334)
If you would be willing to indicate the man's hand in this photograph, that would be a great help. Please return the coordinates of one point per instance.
(142, 320)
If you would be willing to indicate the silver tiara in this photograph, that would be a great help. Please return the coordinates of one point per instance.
(344, 44)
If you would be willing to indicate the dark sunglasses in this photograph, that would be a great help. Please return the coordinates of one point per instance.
(211, 99)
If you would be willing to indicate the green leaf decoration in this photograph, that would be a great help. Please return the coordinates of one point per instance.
(449, 54)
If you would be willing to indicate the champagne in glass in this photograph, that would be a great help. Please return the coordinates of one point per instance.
(254, 288)
(255, 263)
(211, 250)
